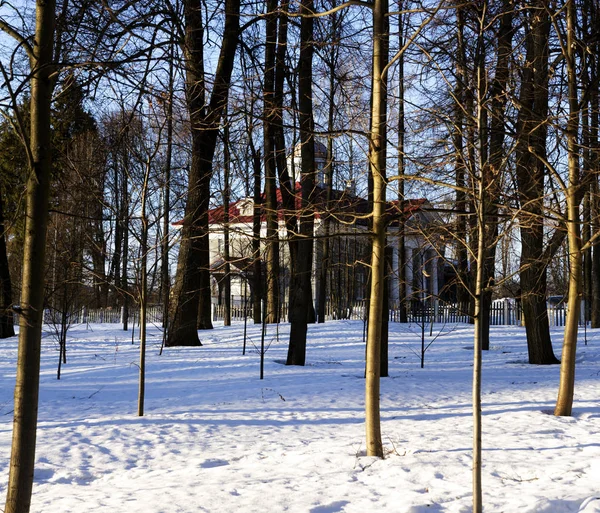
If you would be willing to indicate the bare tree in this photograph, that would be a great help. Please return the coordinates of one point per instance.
(20, 480)
(191, 306)
(301, 290)
(531, 170)
(564, 402)
(377, 163)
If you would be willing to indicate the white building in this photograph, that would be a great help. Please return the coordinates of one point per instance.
(348, 244)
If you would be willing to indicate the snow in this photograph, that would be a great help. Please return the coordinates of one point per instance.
(217, 438)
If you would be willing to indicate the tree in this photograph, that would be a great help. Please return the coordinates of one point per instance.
(495, 159)
(564, 402)
(301, 290)
(271, 211)
(191, 290)
(531, 160)
(401, 171)
(377, 163)
(20, 480)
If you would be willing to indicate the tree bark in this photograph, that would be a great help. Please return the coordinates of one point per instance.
(257, 288)
(460, 165)
(287, 185)
(125, 231)
(531, 172)
(481, 313)
(226, 243)
(402, 278)
(595, 161)
(271, 207)
(377, 154)
(143, 293)
(301, 289)
(191, 304)
(165, 282)
(20, 480)
(331, 62)
(495, 164)
(564, 402)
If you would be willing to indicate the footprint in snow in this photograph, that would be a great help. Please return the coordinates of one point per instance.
(213, 463)
(590, 505)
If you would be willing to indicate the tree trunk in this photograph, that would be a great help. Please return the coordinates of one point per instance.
(402, 299)
(287, 185)
(165, 282)
(564, 402)
(20, 480)
(328, 174)
(271, 210)
(226, 199)
(257, 288)
(460, 166)
(495, 164)
(531, 171)
(143, 292)
(481, 313)
(125, 263)
(191, 304)
(377, 154)
(6, 315)
(595, 308)
(385, 314)
(477, 356)
(114, 275)
(301, 289)
(595, 161)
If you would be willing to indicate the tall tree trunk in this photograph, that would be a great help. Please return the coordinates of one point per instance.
(165, 282)
(477, 356)
(143, 293)
(564, 402)
(22, 459)
(257, 271)
(385, 314)
(114, 275)
(271, 207)
(481, 313)
(191, 305)
(287, 185)
(125, 263)
(226, 199)
(495, 162)
(325, 243)
(301, 289)
(594, 163)
(460, 166)
(6, 315)
(531, 172)
(402, 277)
(377, 162)
(595, 307)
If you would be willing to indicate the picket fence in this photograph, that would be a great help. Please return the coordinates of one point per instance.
(504, 312)
(85, 315)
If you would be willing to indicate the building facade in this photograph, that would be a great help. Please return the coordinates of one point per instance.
(349, 249)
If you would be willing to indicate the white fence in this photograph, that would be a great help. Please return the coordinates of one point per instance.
(504, 312)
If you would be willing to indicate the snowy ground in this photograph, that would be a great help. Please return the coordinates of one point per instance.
(216, 438)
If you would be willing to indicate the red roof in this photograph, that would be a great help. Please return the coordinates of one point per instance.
(343, 205)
